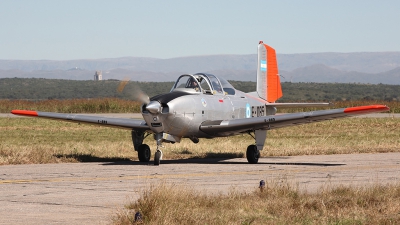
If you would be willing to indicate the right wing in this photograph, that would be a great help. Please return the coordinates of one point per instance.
(123, 123)
(231, 127)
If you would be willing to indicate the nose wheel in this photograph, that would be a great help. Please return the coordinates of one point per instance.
(157, 157)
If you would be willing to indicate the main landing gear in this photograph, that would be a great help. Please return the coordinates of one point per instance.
(144, 152)
(252, 154)
(253, 151)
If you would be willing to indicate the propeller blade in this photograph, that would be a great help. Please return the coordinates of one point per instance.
(122, 85)
(138, 94)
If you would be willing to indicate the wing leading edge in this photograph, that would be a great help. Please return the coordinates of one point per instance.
(231, 127)
(123, 123)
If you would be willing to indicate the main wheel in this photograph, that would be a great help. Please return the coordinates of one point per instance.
(157, 157)
(144, 153)
(252, 154)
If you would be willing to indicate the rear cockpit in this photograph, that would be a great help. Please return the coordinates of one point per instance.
(203, 83)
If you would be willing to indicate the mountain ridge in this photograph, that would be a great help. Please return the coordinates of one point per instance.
(362, 67)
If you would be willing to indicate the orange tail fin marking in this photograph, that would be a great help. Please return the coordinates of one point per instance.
(273, 81)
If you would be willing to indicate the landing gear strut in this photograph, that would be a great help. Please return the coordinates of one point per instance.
(253, 151)
(143, 150)
(158, 154)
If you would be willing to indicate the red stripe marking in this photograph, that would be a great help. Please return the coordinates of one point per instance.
(367, 109)
(221, 100)
(24, 112)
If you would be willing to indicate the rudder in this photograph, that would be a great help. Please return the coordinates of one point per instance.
(268, 82)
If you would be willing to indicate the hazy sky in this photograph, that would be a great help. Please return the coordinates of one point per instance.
(92, 29)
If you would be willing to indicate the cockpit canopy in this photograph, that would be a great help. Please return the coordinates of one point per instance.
(203, 83)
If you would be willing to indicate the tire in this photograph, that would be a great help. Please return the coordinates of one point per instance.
(157, 158)
(144, 153)
(252, 154)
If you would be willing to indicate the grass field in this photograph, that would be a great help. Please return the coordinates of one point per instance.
(97, 105)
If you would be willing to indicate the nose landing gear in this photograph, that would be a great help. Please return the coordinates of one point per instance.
(158, 154)
(157, 157)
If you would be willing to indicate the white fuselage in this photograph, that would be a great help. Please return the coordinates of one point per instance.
(182, 116)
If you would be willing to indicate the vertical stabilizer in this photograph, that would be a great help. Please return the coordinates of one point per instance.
(268, 82)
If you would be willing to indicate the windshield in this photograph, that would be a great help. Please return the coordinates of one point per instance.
(204, 83)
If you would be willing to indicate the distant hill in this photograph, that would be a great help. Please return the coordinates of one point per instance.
(323, 74)
(378, 67)
(365, 62)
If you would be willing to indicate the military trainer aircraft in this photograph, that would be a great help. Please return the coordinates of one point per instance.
(203, 105)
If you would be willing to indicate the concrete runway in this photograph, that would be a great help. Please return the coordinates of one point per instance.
(89, 193)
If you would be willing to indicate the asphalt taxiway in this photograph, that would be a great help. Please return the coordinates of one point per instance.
(89, 193)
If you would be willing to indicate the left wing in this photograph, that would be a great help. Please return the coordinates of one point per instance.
(123, 123)
(231, 127)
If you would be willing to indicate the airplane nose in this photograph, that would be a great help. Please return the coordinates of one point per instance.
(154, 107)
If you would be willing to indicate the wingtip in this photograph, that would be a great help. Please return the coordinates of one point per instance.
(24, 112)
(367, 109)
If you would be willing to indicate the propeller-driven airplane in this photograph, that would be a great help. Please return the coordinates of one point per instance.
(203, 105)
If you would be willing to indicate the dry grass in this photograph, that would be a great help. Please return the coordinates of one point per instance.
(97, 105)
(29, 140)
(279, 203)
(26, 140)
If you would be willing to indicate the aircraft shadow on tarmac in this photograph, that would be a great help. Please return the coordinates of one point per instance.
(214, 158)
(90, 158)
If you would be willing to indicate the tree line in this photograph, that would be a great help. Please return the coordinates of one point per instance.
(47, 89)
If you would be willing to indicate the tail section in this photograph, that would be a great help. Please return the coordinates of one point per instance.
(268, 82)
